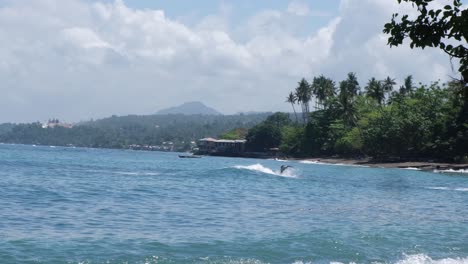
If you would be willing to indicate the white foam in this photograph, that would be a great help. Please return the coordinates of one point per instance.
(411, 168)
(416, 259)
(424, 259)
(460, 189)
(452, 171)
(124, 173)
(260, 168)
(438, 188)
(281, 160)
(311, 162)
(151, 173)
(330, 164)
(227, 260)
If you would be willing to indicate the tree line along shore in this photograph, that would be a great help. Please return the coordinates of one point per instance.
(374, 121)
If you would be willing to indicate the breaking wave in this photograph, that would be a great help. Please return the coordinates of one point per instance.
(452, 171)
(411, 168)
(330, 164)
(448, 189)
(410, 259)
(312, 162)
(281, 160)
(424, 259)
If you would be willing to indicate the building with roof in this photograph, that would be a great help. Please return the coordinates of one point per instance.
(52, 123)
(220, 146)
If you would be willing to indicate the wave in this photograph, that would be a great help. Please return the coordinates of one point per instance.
(425, 259)
(330, 164)
(137, 173)
(281, 160)
(312, 162)
(411, 168)
(208, 260)
(407, 259)
(130, 173)
(438, 188)
(448, 189)
(412, 259)
(452, 171)
(290, 172)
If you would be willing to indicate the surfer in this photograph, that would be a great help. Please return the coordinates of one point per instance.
(284, 167)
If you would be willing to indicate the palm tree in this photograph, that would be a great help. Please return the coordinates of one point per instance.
(348, 92)
(323, 88)
(304, 95)
(292, 100)
(388, 84)
(352, 84)
(374, 89)
(408, 86)
(346, 102)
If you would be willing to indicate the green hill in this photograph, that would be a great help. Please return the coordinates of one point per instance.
(131, 130)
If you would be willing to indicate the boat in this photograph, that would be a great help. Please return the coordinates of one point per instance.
(189, 156)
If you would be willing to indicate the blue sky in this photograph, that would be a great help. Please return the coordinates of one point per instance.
(238, 11)
(81, 59)
(241, 8)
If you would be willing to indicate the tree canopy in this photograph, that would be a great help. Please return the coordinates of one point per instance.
(416, 122)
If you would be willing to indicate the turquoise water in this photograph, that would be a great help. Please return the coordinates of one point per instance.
(73, 205)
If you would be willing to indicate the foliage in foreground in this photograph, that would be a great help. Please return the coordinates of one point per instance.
(444, 28)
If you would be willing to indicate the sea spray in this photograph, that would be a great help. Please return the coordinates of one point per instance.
(290, 172)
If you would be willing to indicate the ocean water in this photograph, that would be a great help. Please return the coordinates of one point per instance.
(76, 205)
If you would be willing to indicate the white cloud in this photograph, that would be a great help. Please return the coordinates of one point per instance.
(84, 37)
(360, 46)
(76, 60)
(298, 8)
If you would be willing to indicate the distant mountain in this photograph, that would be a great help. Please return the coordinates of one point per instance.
(189, 108)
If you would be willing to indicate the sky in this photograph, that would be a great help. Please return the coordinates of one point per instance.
(82, 59)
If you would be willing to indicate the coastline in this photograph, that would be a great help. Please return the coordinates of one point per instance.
(365, 162)
(427, 165)
(416, 165)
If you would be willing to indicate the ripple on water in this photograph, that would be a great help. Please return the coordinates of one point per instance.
(98, 206)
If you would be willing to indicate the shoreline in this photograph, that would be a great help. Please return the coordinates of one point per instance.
(416, 165)
(365, 162)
